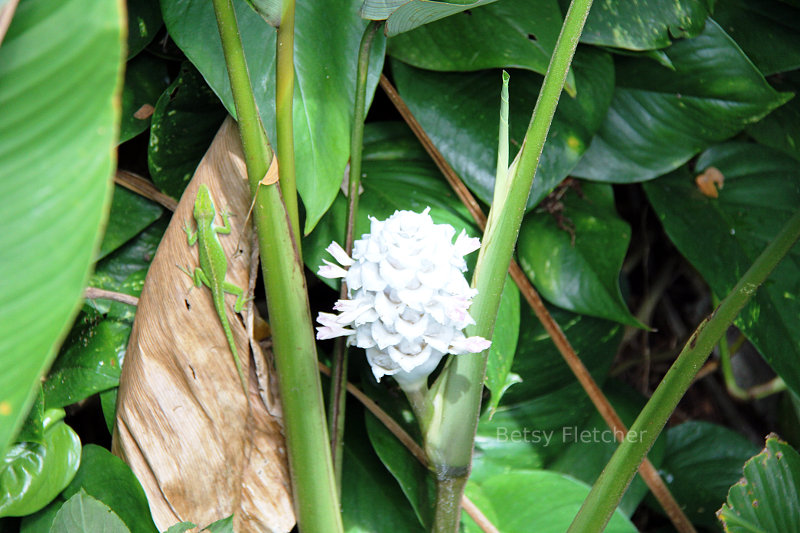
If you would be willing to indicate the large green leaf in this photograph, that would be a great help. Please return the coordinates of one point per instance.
(781, 128)
(106, 477)
(414, 479)
(326, 50)
(573, 252)
(185, 121)
(528, 429)
(144, 20)
(469, 40)
(82, 513)
(405, 15)
(767, 30)
(592, 444)
(702, 461)
(659, 118)
(761, 192)
(145, 79)
(130, 214)
(545, 502)
(460, 113)
(32, 474)
(371, 500)
(60, 76)
(768, 497)
(90, 361)
(637, 25)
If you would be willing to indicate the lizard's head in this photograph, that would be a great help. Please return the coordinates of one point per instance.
(204, 205)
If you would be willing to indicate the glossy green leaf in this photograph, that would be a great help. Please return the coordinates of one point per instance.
(474, 492)
(414, 479)
(767, 30)
(32, 474)
(468, 40)
(781, 128)
(90, 361)
(460, 113)
(41, 521)
(145, 78)
(761, 192)
(528, 428)
(638, 25)
(405, 15)
(573, 251)
(113, 271)
(106, 477)
(270, 10)
(82, 513)
(326, 50)
(185, 121)
(659, 118)
(108, 403)
(702, 461)
(144, 21)
(768, 497)
(504, 344)
(33, 428)
(592, 444)
(60, 77)
(130, 214)
(371, 500)
(547, 501)
(181, 527)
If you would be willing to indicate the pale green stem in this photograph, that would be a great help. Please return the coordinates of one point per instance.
(316, 503)
(338, 394)
(284, 120)
(457, 393)
(610, 486)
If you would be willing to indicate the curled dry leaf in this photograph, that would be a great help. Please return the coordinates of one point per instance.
(710, 181)
(183, 423)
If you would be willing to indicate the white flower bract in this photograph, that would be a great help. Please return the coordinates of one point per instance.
(408, 297)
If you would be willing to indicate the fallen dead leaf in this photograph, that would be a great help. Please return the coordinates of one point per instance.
(710, 181)
(183, 424)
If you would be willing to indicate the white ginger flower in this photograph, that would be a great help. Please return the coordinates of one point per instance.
(408, 298)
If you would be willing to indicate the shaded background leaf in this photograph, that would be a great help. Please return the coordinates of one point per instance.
(83, 513)
(761, 192)
(460, 113)
(572, 251)
(405, 15)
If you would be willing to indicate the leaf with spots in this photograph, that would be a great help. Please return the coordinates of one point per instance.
(722, 237)
(766, 499)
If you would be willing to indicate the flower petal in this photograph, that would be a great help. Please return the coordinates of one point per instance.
(470, 345)
(331, 271)
(339, 254)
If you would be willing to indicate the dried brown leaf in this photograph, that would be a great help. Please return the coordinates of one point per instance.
(183, 424)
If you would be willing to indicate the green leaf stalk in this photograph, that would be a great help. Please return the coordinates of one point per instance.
(315, 497)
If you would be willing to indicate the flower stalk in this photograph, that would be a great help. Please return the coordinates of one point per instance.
(607, 491)
(315, 499)
(455, 417)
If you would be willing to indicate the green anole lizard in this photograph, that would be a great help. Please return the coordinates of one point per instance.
(214, 266)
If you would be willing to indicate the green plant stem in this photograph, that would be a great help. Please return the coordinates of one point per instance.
(338, 394)
(316, 503)
(284, 119)
(610, 486)
(457, 393)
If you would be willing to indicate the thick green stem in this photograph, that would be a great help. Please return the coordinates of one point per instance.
(610, 486)
(316, 503)
(338, 394)
(456, 404)
(284, 95)
(449, 489)
(453, 429)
